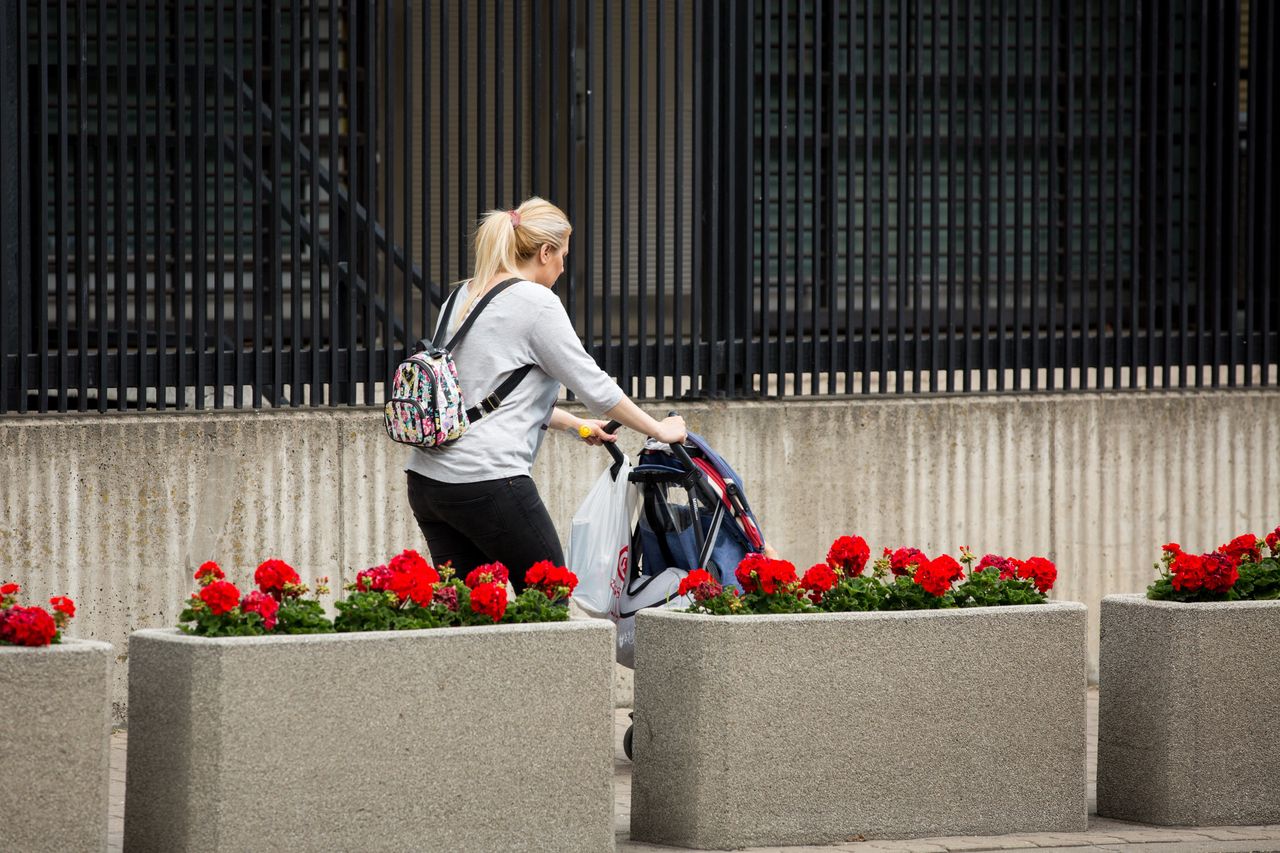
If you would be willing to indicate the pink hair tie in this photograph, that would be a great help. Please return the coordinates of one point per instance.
(515, 218)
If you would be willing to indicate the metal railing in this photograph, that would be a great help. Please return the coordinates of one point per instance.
(239, 203)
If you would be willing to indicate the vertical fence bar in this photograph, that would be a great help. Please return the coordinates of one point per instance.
(40, 261)
(1149, 169)
(679, 367)
(1166, 78)
(259, 282)
(119, 355)
(354, 254)
(1019, 147)
(915, 211)
(1104, 92)
(1001, 256)
(199, 245)
(851, 207)
(162, 188)
(607, 202)
(443, 142)
(1184, 253)
(1053, 213)
(465, 207)
(370, 272)
(1261, 139)
(624, 283)
(1118, 205)
(984, 220)
(279, 379)
(340, 249)
(935, 221)
(1068, 188)
(61, 250)
(902, 278)
(1086, 152)
(100, 236)
(783, 243)
(81, 201)
(952, 230)
(30, 256)
(717, 366)
(296, 208)
(700, 247)
(815, 210)
(1033, 322)
(313, 252)
(868, 153)
(660, 296)
(884, 196)
(1231, 148)
(180, 206)
(1136, 195)
(642, 213)
(971, 74)
(219, 212)
(391, 187)
(237, 37)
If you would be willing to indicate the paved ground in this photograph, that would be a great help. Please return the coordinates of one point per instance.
(1103, 833)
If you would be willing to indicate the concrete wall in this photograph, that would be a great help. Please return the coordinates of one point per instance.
(118, 510)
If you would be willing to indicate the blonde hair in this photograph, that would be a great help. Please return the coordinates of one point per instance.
(506, 239)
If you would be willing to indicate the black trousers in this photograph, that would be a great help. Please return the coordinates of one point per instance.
(469, 524)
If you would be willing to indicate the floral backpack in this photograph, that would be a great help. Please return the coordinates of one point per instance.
(426, 408)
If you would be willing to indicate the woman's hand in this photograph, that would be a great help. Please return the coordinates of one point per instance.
(592, 432)
(672, 430)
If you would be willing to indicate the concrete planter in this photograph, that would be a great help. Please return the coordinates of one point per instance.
(494, 738)
(1188, 696)
(55, 730)
(808, 729)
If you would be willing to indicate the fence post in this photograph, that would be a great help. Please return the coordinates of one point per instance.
(11, 201)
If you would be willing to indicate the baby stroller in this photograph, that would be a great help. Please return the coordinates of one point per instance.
(644, 527)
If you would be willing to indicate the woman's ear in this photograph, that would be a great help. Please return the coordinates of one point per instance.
(544, 253)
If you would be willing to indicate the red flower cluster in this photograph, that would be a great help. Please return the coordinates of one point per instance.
(446, 595)
(9, 589)
(273, 575)
(757, 572)
(411, 576)
(262, 604)
(555, 582)
(849, 554)
(488, 573)
(1007, 566)
(1273, 541)
(1243, 549)
(209, 572)
(1039, 570)
(374, 579)
(1214, 572)
(819, 580)
(901, 560)
(63, 605)
(937, 575)
(26, 626)
(490, 599)
(221, 597)
(700, 584)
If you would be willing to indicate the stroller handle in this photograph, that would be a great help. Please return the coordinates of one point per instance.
(680, 452)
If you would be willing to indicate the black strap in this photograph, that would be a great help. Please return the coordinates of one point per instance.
(494, 400)
(438, 340)
(441, 322)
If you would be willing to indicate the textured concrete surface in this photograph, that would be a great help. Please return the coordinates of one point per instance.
(461, 739)
(818, 728)
(1188, 715)
(1101, 834)
(54, 730)
(118, 510)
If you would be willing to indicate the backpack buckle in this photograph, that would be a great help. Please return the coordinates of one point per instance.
(488, 404)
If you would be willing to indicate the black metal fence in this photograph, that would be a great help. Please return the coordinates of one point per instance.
(238, 203)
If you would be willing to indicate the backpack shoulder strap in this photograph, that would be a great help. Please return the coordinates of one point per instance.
(471, 318)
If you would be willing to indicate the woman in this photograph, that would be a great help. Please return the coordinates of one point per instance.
(475, 499)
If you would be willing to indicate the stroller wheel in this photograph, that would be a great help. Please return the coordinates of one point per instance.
(626, 741)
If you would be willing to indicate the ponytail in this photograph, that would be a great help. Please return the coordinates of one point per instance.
(506, 239)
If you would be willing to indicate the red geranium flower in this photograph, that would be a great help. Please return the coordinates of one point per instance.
(446, 595)
(1171, 548)
(62, 604)
(1040, 571)
(700, 584)
(901, 560)
(272, 576)
(936, 575)
(775, 576)
(411, 576)
(745, 573)
(262, 604)
(27, 626)
(1273, 541)
(490, 599)
(220, 596)
(1007, 567)
(490, 573)
(1244, 548)
(849, 554)
(374, 579)
(10, 589)
(819, 580)
(1220, 572)
(1186, 572)
(209, 572)
(554, 581)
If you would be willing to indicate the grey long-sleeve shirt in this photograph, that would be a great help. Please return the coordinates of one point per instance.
(525, 324)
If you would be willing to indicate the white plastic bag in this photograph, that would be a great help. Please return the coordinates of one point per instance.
(600, 542)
